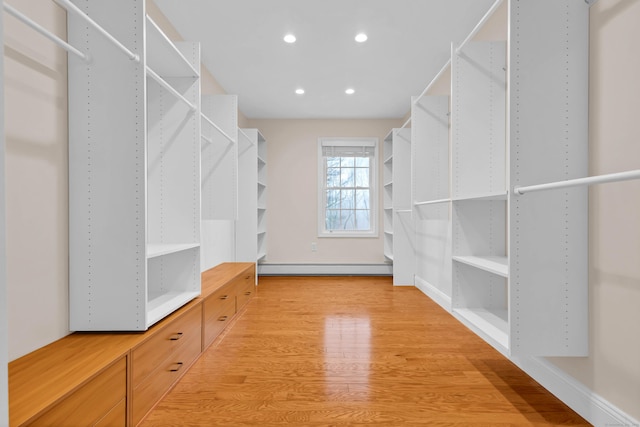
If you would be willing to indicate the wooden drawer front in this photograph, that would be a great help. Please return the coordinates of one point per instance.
(245, 287)
(217, 313)
(165, 373)
(117, 417)
(149, 355)
(92, 402)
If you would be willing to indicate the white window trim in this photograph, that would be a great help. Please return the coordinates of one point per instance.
(322, 232)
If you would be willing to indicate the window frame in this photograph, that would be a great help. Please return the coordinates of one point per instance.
(373, 186)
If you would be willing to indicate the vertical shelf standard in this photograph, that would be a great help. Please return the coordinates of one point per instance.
(134, 172)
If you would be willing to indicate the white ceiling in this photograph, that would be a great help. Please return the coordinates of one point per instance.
(242, 46)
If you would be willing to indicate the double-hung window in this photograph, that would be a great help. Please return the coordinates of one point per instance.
(347, 196)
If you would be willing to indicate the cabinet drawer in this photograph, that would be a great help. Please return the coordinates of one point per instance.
(164, 343)
(245, 287)
(117, 417)
(102, 396)
(164, 373)
(219, 309)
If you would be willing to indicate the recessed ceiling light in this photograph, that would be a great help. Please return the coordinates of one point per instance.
(300, 91)
(350, 91)
(362, 37)
(290, 38)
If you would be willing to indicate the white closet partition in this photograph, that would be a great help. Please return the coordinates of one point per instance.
(4, 327)
(430, 157)
(134, 171)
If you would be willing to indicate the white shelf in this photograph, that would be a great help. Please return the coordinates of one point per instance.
(262, 256)
(388, 232)
(389, 256)
(164, 57)
(388, 160)
(156, 250)
(499, 195)
(491, 324)
(261, 184)
(493, 264)
(261, 160)
(160, 305)
(389, 184)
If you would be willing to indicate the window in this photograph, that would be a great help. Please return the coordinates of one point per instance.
(347, 187)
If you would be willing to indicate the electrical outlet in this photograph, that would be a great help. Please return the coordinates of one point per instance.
(314, 247)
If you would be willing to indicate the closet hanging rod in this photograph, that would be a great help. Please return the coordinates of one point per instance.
(431, 202)
(435, 79)
(57, 40)
(170, 88)
(590, 180)
(66, 4)
(246, 136)
(403, 211)
(477, 28)
(216, 127)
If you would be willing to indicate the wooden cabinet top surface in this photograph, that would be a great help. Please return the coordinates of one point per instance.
(219, 276)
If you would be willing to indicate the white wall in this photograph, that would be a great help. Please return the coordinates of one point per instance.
(4, 330)
(612, 369)
(292, 170)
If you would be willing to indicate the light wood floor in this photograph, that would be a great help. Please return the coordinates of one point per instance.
(353, 351)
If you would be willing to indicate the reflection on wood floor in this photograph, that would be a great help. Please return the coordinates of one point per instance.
(325, 351)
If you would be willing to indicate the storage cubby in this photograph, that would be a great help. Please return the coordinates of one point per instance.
(251, 227)
(134, 172)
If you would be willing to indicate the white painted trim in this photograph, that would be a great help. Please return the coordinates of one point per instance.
(434, 293)
(591, 406)
(325, 269)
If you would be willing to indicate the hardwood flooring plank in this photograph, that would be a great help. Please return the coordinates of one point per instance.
(336, 351)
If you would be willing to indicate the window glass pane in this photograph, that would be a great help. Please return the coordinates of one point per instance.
(362, 162)
(333, 177)
(333, 199)
(333, 162)
(362, 220)
(362, 199)
(348, 220)
(332, 219)
(347, 162)
(347, 199)
(347, 178)
(362, 177)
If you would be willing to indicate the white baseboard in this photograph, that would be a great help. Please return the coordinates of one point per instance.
(591, 406)
(434, 293)
(325, 269)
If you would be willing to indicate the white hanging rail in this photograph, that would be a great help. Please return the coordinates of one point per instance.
(599, 179)
(57, 40)
(435, 79)
(404, 211)
(431, 202)
(66, 4)
(477, 28)
(170, 88)
(216, 127)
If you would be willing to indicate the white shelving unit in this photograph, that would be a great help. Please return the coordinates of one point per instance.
(519, 266)
(251, 227)
(431, 196)
(398, 221)
(219, 157)
(134, 171)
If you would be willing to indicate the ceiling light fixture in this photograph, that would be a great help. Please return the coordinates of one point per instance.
(300, 91)
(362, 37)
(290, 38)
(350, 91)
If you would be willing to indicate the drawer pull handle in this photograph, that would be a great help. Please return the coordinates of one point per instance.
(222, 318)
(248, 293)
(224, 297)
(247, 278)
(176, 336)
(177, 368)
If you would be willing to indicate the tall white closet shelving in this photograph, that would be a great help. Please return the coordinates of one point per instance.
(398, 222)
(134, 171)
(4, 328)
(251, 227)
(518, 116)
